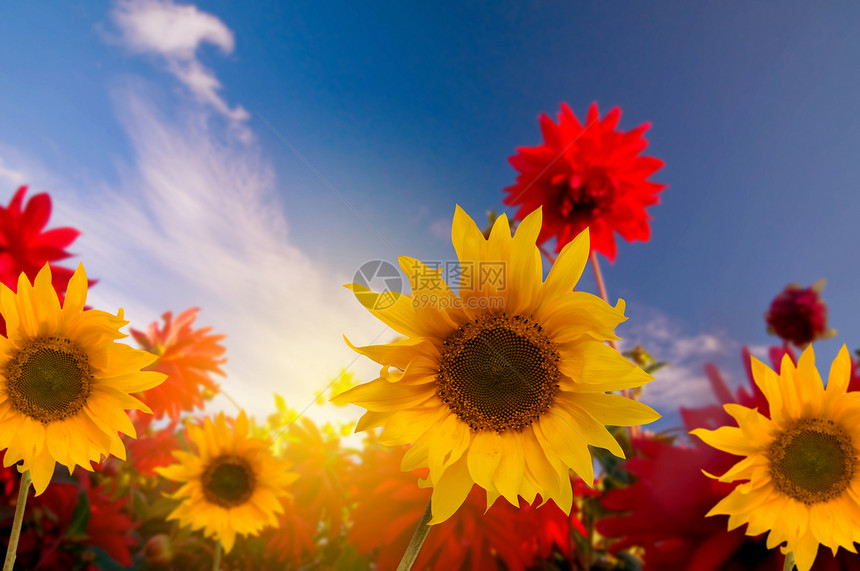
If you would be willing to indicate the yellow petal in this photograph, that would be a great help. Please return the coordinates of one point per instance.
(451, 491)
(509, 473)
(567, 269)
(381, 396)
(483, 457)
(614, 410)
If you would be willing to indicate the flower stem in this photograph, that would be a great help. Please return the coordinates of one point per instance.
(789, 561)
(12, 551)
(549, 256)
(601, 287)
(635, 431)
(216, 560)
(417, 541)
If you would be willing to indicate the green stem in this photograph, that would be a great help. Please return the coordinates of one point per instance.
(17, 521)
(216, 561)
(417, 541)
(789, 561)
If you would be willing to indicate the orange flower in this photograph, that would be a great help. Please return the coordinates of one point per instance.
(188, 357)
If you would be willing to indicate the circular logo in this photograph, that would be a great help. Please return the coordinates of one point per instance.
(378, 276)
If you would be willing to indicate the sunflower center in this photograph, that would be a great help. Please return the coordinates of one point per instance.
(813, 461)
(498, 372)
(228, 481)
(49, 379)
(585, 196)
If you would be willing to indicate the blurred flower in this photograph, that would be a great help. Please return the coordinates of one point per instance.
(345, 380)
(25, 248)
(390, 504)
(158, 550)
(320, 494)
(506, 385)
(799, 315)
(232, 485)
(664, 513)
(588, 176)
(64, 382)
(187, 356)
(153, 449)
(800, 467)
(63, 525)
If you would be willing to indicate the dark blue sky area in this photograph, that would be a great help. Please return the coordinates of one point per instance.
(407, 110)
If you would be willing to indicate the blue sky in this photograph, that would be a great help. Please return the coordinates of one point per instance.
(247, 159)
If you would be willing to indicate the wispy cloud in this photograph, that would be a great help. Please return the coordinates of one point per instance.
(174, 33)
(11, 177)
(683, 383)
(196, 222)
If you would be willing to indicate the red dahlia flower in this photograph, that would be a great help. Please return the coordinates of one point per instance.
(799, 315)
(25, 248)
(187, 356)
(587, 176)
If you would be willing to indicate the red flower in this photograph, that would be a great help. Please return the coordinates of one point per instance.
(187, 356)
(25, 248)
(153, 449)
(506, 537)
(587, 176)
(53, 538)
(799, 315)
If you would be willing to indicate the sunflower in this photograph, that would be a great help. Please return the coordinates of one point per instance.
(800, 468)
(590, 176)
(233, 485)
(64, 382)
(505, 385)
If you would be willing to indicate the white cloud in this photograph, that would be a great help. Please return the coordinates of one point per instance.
(684, 382)
(196, 222)
(11, 177)
(175, 32)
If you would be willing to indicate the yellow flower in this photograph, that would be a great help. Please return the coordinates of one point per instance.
(64, 382)
(233, 485)
(505, 385)
(800, 465)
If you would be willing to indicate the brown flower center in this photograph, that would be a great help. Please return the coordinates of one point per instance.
(498, 372)
(812, 461)
(49, 379)
(228, 481)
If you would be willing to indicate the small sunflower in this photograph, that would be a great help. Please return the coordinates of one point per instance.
(801, 468)
(233, 485)
(505, 385)
(64, 382)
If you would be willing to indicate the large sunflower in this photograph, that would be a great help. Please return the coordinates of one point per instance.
(505, 385)
(801, 464)
(233, 485)
(64, 382)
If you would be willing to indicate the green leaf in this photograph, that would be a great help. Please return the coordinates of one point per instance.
(81, 518)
